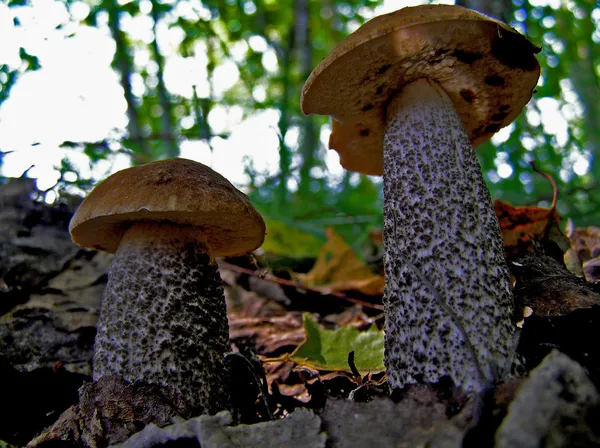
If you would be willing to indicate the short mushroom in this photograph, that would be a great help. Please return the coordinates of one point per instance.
(409, 93)
(163, 318)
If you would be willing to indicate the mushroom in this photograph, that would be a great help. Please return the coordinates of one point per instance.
(163, 318)
(409, 93)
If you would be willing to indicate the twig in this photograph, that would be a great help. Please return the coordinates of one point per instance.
(22, 176)
(124, 65)
(281, 281)
(551, 214)
(552, 182)
(352, 365)
(171, 150)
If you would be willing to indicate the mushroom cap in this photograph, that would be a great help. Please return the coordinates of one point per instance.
(488, 70)
(177, 191)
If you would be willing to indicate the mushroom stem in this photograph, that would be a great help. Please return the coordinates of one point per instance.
(448, 300)
(163, 317)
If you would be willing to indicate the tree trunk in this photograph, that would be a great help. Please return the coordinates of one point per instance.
(123, 64)
(498, 9)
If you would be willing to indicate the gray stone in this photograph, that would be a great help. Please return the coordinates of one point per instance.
(552, 408)
(415, 421)
(300, 429)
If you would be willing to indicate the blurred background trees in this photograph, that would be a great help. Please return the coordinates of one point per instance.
(270, 47)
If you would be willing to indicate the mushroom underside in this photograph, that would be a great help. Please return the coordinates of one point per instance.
(448, 300)
(163, 317)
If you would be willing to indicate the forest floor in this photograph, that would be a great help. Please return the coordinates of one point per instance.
(50, 295)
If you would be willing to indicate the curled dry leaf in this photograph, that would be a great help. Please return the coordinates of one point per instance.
(586, 242)
(591, 269)
(522, 225)
(269, 334)
(352, 317)
(585, 252)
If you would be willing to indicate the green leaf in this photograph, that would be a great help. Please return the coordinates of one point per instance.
(4, 444)
(290, 238)
(328, 349)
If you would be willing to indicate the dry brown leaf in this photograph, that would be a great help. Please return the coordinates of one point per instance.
(352, 317)
(298, 391)
(278, 371)
(289, 384)
(338, 268)
(269, 334)
(591, 269)
(586, 242)
(522, 225)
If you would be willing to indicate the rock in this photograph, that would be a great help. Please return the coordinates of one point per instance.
(418, 420)
(58, 322)
(50, 290)
(554, 407)
(300, 429)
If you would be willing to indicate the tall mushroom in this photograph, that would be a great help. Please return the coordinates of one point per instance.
(163, 318)
(409, 92)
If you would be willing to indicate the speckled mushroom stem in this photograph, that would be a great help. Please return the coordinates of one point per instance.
(163, 317)
(448, 299)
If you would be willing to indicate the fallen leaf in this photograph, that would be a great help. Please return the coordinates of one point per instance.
(586, 242)
(584, 251)
(338, 268)
(248, 303)
(591, 269)
(522, 225)
(328, 349)
(270, 335)
(352, 317)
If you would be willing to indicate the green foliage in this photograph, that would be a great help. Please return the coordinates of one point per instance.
(9, 76)
(222, 28)
(569, 59)
(328, 349)
(289, 237)
(69, 177)
(295, 37)
(4, 444)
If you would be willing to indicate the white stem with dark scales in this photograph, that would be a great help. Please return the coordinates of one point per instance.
(448, 299)
(163, 319)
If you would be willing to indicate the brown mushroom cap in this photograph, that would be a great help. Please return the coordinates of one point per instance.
(487, 69)
(177, 191)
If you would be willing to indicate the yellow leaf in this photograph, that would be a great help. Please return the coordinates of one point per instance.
(338, 268)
